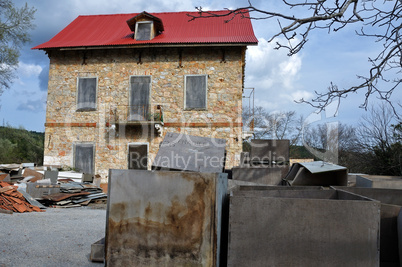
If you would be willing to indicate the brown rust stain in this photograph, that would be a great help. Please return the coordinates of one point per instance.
(176, 237)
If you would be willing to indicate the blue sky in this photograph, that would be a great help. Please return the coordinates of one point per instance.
(278, 79)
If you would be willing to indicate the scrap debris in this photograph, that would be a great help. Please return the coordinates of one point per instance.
(28, 188)
(74, 194)
(14, 201)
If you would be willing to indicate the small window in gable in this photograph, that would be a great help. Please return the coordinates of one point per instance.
(145, 26)
(195, 92)
(86, 95)
(143, 31)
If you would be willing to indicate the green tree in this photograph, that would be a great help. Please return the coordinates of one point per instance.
(15, 24)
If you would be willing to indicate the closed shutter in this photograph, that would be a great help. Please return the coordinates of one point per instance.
(86, 94)
(196, 92)
(139, 98)
(84, 158)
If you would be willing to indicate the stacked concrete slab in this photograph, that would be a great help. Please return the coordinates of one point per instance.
(158, 218)
(282, 227)
(267, 163)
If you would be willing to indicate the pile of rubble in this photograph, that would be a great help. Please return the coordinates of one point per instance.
(13, 201)
(38, 187)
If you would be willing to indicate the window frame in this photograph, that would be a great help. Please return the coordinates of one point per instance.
(93, 153)
(185, 92)
(86, 108)
(150, 31)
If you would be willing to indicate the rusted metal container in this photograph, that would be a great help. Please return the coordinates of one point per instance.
(157, 218)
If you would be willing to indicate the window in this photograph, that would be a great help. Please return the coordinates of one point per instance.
(143, 31)
(84, 157)
(138, 156)
(196, 92)
(86, 96)
(139, 97)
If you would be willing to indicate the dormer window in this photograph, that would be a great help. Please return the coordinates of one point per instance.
(143, 30)
(145, 26)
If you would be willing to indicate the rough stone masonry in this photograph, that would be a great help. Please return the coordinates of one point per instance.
(105, 126)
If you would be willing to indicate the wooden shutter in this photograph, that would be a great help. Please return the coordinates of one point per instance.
(86, 94)
(196, 92)
(139, 98)
(84, 158)
(143, 31)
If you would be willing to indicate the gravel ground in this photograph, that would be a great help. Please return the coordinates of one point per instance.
(56, 237)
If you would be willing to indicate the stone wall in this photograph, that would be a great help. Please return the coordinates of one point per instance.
(167, 68)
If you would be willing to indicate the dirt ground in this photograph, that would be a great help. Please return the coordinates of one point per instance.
(56, 237)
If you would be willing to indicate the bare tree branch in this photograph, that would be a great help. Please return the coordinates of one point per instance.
(381, 21)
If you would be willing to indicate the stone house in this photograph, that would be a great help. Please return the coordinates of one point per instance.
(118, 83)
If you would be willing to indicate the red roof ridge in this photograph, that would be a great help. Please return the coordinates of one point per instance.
(168, 12)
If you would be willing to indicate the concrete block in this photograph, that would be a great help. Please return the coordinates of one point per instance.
(302, 228)
(391, 202)
(157, 218)
(52, 175)
(190, 153)
(98, 251)
(376, 181)
(261, 175)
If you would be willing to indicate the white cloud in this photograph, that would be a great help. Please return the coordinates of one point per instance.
(298, 95)
(28, 70)
(274, 75)
(267, 68)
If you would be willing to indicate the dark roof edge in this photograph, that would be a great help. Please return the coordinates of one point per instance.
(145, 46)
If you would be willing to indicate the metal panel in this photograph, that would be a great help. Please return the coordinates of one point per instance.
(321, 174)
(321, 166)
(190, 153)
(157, 218)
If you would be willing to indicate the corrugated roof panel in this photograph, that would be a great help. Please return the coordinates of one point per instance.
(106, 30)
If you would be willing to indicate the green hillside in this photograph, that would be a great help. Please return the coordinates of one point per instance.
(20, 145)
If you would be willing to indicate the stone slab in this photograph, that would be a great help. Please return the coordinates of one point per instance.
(190, 153)
(158, 218)
(279, 228)
(389, 182)
(263, 150)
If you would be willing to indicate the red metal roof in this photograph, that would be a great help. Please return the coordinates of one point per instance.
(112, 30)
